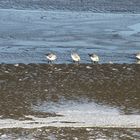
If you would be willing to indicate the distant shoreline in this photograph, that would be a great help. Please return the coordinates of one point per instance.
(97, 6)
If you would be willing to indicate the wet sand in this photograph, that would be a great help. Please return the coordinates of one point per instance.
(70, 133)
(52, 133)
(41, 95)
(108, 84)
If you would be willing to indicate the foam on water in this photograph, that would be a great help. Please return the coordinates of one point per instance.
(75, 120)
(80, 108)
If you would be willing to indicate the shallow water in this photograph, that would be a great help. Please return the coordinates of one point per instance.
(26, 36)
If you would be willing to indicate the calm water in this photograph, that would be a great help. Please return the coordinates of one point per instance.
(26, 36)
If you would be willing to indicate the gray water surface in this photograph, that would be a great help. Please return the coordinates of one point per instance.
(26, 36)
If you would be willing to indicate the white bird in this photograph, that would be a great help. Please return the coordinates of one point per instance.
(94, 58)
(75, 57)
(138, 62)
(110, 62)
(138, 55)
(51, 57)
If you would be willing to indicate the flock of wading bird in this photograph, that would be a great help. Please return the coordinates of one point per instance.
(76, 58)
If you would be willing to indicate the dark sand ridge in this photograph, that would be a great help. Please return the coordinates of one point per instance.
(72, 133)
(107, 84)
